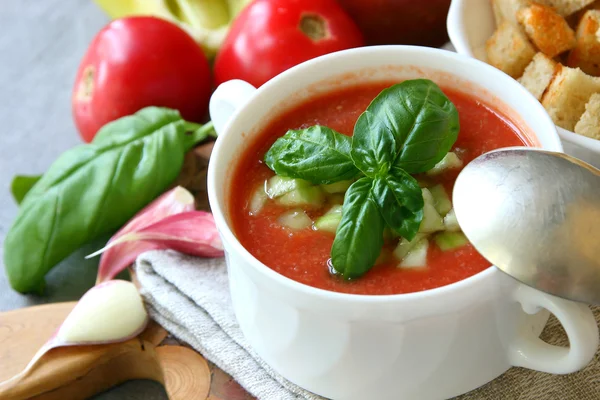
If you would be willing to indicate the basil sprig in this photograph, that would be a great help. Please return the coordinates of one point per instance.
(407, 129)
(93, 189)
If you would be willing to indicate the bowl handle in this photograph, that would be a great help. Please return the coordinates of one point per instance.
(577, 319)
(226, 100)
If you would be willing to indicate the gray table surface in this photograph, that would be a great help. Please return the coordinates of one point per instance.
(41, 45)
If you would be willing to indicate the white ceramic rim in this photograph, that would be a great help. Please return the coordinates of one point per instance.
(458, 38)
(229, 237)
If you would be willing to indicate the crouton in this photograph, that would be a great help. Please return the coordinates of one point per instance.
(586, 54)
(546, 29)
(509, 50)
(506, 10)
(567, 95)
(538, 74)
(567, 7)
(589, 123)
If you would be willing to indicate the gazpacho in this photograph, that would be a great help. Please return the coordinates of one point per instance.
(351, 191)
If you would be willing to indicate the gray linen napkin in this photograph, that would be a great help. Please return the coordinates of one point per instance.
(189, 297)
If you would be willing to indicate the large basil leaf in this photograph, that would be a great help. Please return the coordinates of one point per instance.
(93, 189)
(400, 201)
(412, 125)
(359, 236)
(21, 185)
(428, 123)
(317, 154)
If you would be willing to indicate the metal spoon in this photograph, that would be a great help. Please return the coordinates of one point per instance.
(536, 216)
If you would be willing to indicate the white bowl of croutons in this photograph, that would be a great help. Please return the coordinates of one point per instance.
(552, 47)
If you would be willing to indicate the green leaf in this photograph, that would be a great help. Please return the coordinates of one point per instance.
(429, 127)
(400, 202)
(91, 190)
(21, 184)
(359, 236)
(412, 125)
(317, 154)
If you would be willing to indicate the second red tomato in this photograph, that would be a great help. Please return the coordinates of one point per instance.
(270, 36)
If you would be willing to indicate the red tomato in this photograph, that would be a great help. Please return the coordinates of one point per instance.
(270, 36)
(137, 62)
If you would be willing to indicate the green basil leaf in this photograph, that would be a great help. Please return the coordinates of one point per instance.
(92, 190)
(428, 124)
(316, 154)
(373, 141)
(21, 184)
(400, 202)
(359, 236)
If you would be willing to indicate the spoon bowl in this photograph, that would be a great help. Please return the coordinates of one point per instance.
(535, 215)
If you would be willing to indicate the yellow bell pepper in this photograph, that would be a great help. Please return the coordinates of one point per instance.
(207, 21)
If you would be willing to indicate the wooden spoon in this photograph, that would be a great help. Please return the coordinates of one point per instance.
(78, 372)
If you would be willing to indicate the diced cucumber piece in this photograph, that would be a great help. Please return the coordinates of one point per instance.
(337, 187)
(450, 161)
(450, 240)
(335, 199)
(330, 220)
(295, 219)
(417, 257)
(258, 200)
(432, 221)
(450, 222)
(277, 185)
(427, 196)
(336, 209)
(405, 246)
(441, 200)
(311, 196)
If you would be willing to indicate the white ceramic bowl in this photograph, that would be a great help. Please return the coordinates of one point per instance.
(427, 345)
(470, 24)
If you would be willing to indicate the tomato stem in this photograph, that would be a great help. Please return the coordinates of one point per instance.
(313, 26)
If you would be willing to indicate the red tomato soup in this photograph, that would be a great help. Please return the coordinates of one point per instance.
(303, 255)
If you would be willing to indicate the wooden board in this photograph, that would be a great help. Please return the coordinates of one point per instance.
(82, 371)
(23, 332)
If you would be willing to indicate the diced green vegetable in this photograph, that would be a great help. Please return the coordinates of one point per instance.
(450, 240)
(427, 196)
(432, 221)
(337, 187)
(303, 196)
(335, 199)
(450, 161)
(258, 200)
(295, 219)
(405, 246)
(330, 220)
(417, 257)
(278, 185)
(441, 200)
(450, 222)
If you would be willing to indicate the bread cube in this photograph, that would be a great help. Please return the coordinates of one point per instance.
(586, 54)
(566, 96)
(506, 10)
(550, 32)
(589, 123)
(567, 7)
(509, 49)
(538, 74)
